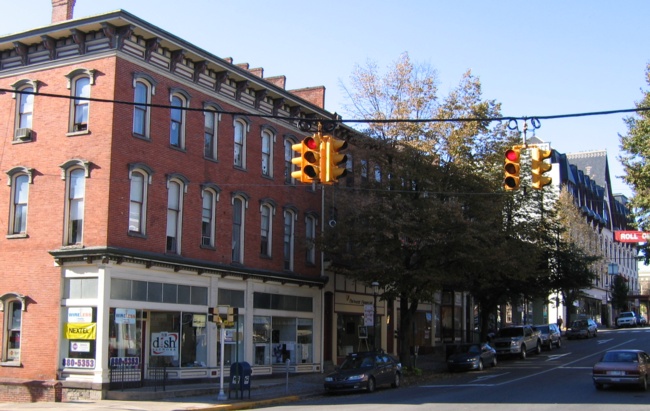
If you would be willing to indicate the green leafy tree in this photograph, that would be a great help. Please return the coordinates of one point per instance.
(620, 290)
(434, 219)
(635, 147)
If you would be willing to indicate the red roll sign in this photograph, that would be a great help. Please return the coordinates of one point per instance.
(631, 236)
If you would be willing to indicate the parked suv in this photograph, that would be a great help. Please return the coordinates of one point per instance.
(626, 319)
(517, 340)
(550, 335)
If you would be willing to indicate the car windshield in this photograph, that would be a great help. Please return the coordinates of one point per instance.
(579, 324)
(542, 329)
(510, 332)
(468, 349)
(627, 315)
(619, 356)
(356, 362)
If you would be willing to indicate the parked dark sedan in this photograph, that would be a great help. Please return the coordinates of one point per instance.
(583, 328)
(618, 367)
(365, 371)
(468, 357)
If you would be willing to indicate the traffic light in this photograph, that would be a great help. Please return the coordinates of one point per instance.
(309, 159)
(540, 167)
(333, 162)
(511, 169)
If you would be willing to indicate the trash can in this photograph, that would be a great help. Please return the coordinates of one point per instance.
(240, 379)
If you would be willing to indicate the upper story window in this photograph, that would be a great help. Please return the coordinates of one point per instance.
(79, 83)
(179, 100)
(176, 186)
(140, 176)
(310, 237)
(268, 137)
(377, 174)
(289, 238)
(289, 167)
(24, 96)
(144, 88)
(349, 175)
(74, 172)
(239, 204)
(239, 141)
(210, 194)
(267, 210)
(364, 171)
(13, 307)
(19, 180)
(210, 133)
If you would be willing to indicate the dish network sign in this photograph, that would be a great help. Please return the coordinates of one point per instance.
(631, 236)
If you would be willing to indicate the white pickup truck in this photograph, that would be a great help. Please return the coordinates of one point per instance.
(517, 340)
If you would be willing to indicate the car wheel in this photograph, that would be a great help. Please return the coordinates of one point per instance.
(559, 343)
(598, 386)
(550, 345)
(523, 352)
(371, 385)
(397, 381)
(538, 348)
(494, 361)
(480, 365)
(644, 384)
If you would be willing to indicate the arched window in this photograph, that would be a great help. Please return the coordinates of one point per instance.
(210, 197)
(310, 238)
(20, 195)
(289, 238)
(140, 176)
(76, 189)
(267, 210)
(210, 133)
(178, 100)
(239, 204)
(175, 190)
(268, 137)
(289, 167)
(239, 142)
(79, 83)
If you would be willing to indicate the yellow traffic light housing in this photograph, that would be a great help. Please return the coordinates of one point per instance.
(309, 159)
(333, 163)
(539, 167)
(511, 168)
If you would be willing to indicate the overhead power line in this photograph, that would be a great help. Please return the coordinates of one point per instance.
(509, 119)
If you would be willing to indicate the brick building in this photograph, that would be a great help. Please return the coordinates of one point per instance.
(148, 181)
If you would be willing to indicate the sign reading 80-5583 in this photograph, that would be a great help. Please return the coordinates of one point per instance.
(79, 362)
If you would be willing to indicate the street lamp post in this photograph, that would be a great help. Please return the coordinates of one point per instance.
(375, 289)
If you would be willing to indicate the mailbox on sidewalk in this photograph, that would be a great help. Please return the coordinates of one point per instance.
(240, 379)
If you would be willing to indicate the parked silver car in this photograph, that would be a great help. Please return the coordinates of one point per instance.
(550, 335)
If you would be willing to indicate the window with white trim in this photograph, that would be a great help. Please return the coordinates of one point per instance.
(310, 237)
(20, 195)
(208, 220)
(267, 153)
(13, 316)
(266, 230)
(175, 190)
(75, 206)
(288, 241)
(239, 142)
(138, 202)
(24, 97)
(289, 167)
(144, 88)
(210, 133)
(238, 206)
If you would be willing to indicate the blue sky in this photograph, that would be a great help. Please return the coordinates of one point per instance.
(535, 57)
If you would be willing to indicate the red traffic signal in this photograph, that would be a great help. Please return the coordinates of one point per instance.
(511, 169)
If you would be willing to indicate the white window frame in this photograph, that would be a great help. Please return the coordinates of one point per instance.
(24, 107)
(267, 211)
(289, 167)
(11, 356)
(288, 241)
(75, 206)
(179, 100)
(240, 132)
(310, 239)
(142, 108)
(267, 142)
(138, 206)
(209, 194)
(77, 105)
(211, 132)
(238, 228)
(175, 193)
(19, 201)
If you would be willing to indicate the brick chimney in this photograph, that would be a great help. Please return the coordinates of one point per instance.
(62, 10)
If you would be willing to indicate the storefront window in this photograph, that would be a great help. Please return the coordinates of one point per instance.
(125, 336)
(347, 333)
(262, 340)
(178, 339)
(81, 333)
(233, 344)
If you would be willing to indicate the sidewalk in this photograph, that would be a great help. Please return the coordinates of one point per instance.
(264, 391)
